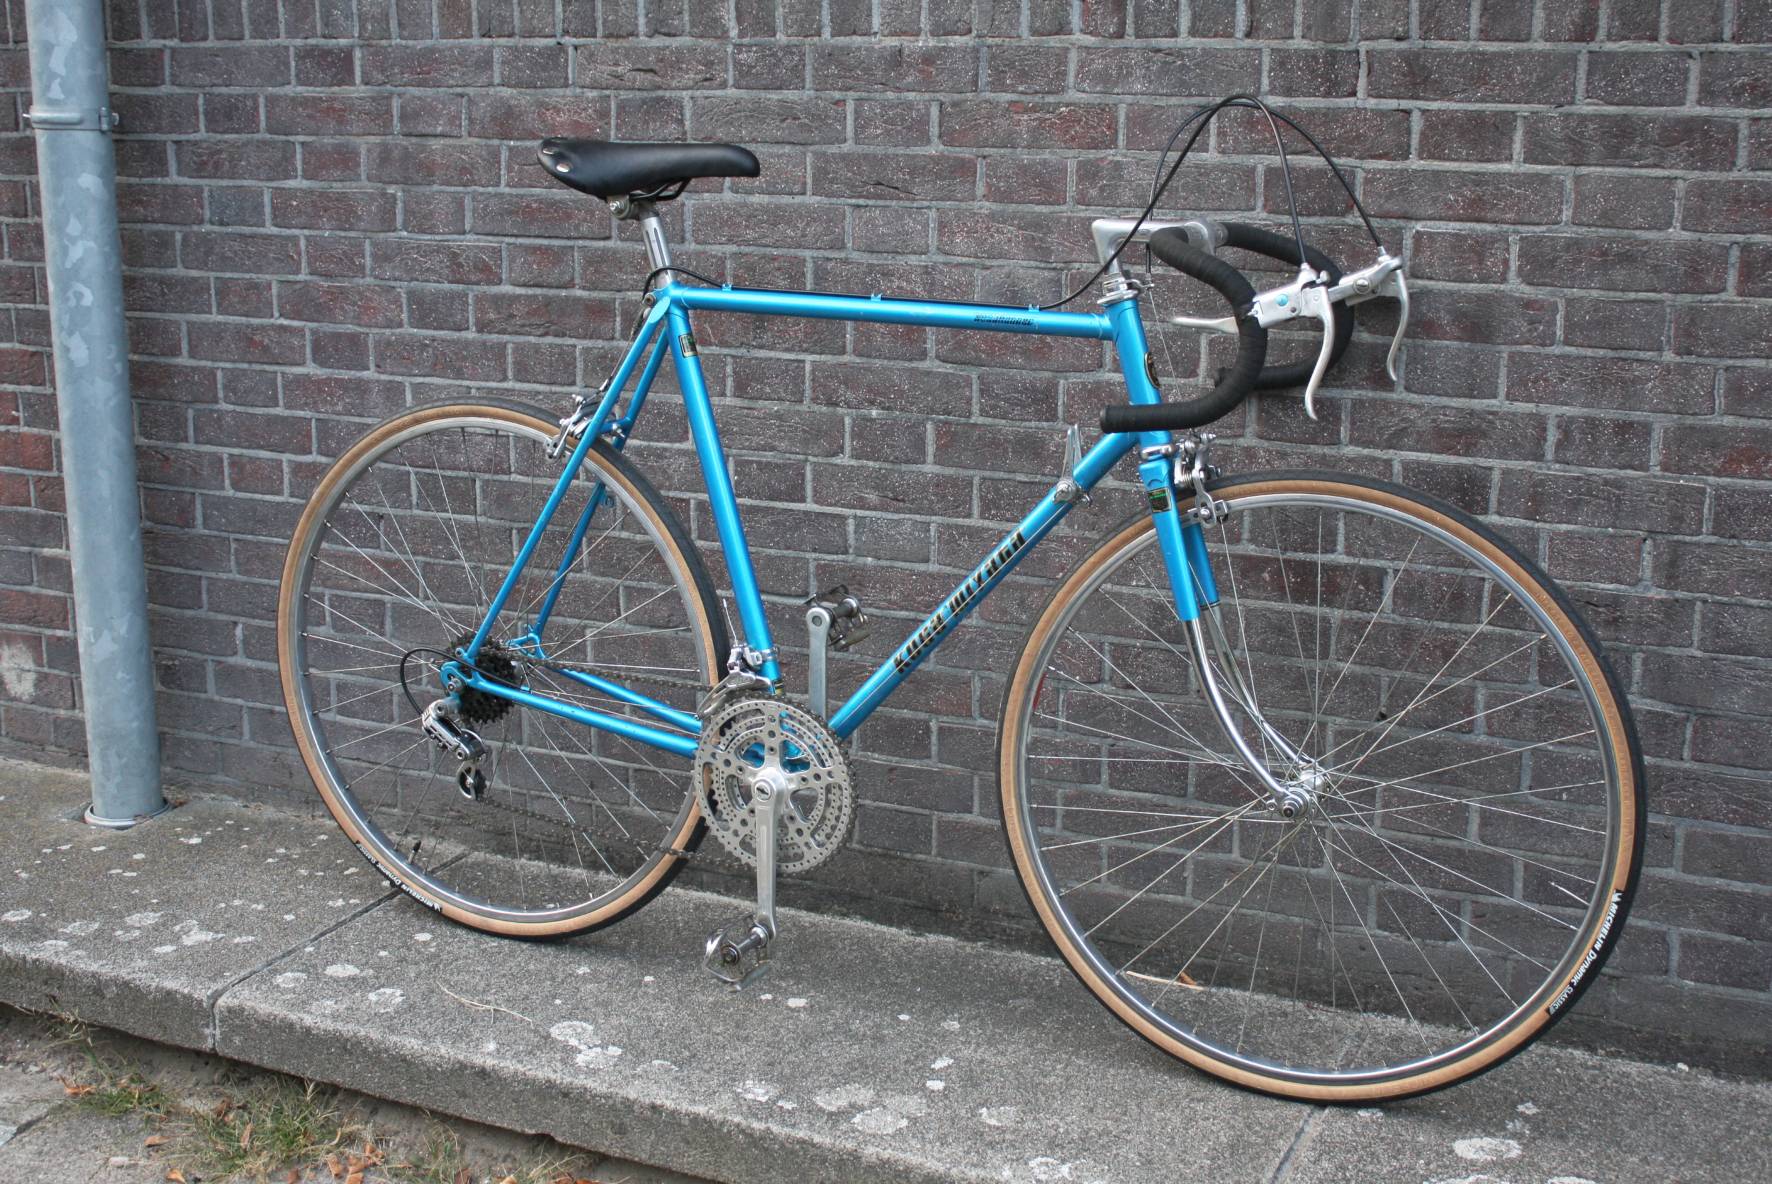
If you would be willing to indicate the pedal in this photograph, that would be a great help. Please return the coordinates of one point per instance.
(736, 960)
(834, 621)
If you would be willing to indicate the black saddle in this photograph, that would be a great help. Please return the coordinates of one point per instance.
(608, 170)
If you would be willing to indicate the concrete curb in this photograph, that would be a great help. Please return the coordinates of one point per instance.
(869, 1054)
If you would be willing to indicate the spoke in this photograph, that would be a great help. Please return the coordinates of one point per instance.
(1428, 962)
(1390, 725)
(565, 566)
(1374, 811)
(1487, 889)
(393, 515)
(1367, 730)
(372, 735)
(606, 769)
(1383, 603)
(399, 592)
(1373, 942)
(1142, 813)
(1402, 782)
(451, 524)
(1192, 757)
(357, 669)
(1448, 918)
(1362, 817)
(1201, 753)
(1217, 825)
(1222, 888)
(1131, 834)
(327, 639)
(573, 828)
(1232, 691)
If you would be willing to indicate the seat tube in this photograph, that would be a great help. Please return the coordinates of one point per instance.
(721, 497)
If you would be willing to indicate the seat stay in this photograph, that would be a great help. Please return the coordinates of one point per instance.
(618, 440)
(568, 474)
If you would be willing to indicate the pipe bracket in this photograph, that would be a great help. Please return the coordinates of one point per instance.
(89, 119)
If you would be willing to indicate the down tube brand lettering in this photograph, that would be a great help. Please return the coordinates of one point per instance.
(943, 618)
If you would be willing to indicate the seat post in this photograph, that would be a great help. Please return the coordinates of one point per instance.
(629, 209)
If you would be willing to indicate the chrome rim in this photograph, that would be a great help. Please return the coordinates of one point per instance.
(1422, 904)
(400, 564)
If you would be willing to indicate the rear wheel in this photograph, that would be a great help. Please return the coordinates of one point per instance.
(393, 564)
(1473, 826)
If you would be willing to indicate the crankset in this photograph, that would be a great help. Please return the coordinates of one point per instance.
(776, 791)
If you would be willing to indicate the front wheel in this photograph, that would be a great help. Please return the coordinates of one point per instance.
(1473, 814)
(557, 828)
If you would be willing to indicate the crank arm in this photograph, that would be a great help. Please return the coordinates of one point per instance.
(740, 952)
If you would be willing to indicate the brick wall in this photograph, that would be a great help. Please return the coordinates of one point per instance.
(331, 212)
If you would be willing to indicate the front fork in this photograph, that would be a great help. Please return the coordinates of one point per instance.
(1172, 473)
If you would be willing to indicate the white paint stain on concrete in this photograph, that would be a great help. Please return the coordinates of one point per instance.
(1483, 1149)
(844, 1097)
(342, 970)
(142, 920)
(879, 1122)
(999, 1116)
(387, 999)
(291, 979)
(14, 916)
(756, 1091)
(190, 933)
(582, 1038)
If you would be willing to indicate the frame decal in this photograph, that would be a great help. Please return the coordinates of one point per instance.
(944, 617)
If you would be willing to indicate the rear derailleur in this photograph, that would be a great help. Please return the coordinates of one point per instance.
(441, 721)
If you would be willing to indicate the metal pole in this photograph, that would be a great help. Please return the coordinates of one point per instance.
(77, 172)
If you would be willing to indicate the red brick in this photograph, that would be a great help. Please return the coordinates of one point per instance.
(333, 209)
(1026, 125)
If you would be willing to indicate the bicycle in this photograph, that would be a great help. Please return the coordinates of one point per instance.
(1317, 783)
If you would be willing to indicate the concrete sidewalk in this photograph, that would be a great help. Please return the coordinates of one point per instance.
(868, 1053)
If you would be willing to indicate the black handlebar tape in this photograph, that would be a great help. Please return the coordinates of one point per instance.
(1234, 384)
(1283, 248)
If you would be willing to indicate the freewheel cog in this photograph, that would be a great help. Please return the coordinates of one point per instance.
(761, 740)
(498, 664)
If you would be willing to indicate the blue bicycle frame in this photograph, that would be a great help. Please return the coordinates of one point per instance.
(666, 327)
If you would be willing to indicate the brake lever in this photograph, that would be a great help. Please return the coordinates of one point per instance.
(1315, 302)
(1383, 278)
(1309, 295)
(1390, 359)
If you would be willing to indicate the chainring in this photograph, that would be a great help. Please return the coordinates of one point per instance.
(747, 736)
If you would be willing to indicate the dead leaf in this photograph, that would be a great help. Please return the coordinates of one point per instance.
(176, 1176)
(354, 1178)
(154, 1141)
(334, 1166)
(222, 1107)
(246, 1136)
(294, 1176)
(76, 1091)
(465, 1176)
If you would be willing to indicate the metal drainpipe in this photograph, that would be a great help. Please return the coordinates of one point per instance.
(77, 173)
